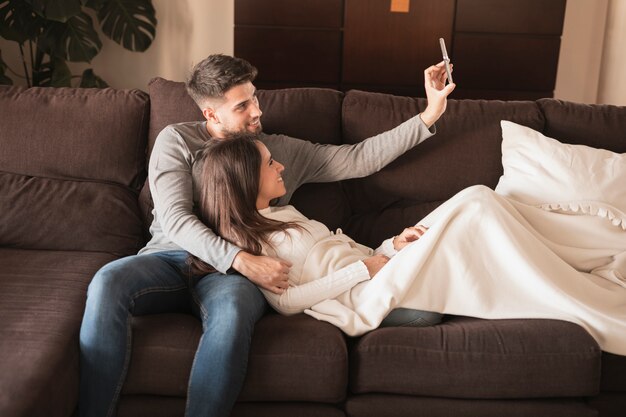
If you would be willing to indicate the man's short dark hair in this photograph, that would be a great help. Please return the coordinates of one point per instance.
(215, 75)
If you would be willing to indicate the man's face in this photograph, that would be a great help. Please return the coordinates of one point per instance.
(238, 112)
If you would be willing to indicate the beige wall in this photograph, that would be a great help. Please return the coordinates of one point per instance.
(591, 60)
(612, 84)
(581, 51)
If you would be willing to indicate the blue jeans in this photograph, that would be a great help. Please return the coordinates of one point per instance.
(228, 306)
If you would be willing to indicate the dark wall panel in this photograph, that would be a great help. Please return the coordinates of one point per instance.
(394, 47)
(504, 49)
(309, 56)
(311, 13)
(519, 16)
(498, 62)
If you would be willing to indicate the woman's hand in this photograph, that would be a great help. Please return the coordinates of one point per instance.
(375, 263)
(408, 235)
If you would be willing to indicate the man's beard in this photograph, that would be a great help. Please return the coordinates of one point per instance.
(243, 130)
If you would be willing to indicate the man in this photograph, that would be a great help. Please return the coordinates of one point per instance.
(228, 302)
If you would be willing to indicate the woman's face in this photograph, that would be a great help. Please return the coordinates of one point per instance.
(271, 183)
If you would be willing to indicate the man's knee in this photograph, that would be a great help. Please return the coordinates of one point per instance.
(244, 307)
(111, 282)
(238, 308)
(106, 281)
(132, 270)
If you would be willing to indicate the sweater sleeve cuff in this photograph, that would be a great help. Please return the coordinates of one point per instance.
(227, 263)
(358, 271)
(432, 129)
(386, 248)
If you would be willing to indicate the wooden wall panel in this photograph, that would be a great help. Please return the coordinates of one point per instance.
(497, 62)
(280, 54)
(501, 49)
(309, 13)
(519, 16)
(383, 47)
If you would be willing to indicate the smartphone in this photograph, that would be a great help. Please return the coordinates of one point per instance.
(446, 59)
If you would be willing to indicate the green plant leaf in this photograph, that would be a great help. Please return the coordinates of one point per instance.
(61, 75)
(54, 73)
(42, 75)
(93, 4)
(75, 40)
(18, 21)
(91, 80)
(130, 23)
(4, 80)
(59, 10)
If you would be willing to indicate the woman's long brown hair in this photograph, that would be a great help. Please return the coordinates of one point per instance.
(226, 175)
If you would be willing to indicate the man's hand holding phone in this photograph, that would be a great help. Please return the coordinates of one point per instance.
(446, 60)
(437, 91)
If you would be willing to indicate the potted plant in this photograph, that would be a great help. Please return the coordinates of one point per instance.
(51, 33)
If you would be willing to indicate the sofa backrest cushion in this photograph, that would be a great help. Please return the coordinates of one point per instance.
(306, 113)
(169, 104)
(71, 166)
(465, 151)
(596, 125)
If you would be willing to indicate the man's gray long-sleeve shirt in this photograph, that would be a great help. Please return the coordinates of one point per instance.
(175, 226)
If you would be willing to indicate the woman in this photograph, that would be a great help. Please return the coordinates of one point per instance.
(234, 199)
(478, 254)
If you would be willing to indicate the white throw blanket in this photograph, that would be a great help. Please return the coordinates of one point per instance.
(490, 257)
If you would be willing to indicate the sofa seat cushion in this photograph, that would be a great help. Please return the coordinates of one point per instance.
(375, 405)
(613, 373)
(42, 298)
(293, 358)
(154, 406)
(481, 359)
(609, 404)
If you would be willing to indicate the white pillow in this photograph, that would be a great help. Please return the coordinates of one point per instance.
(544, 172)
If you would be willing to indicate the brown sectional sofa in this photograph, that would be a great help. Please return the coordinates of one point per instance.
(72, 170)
